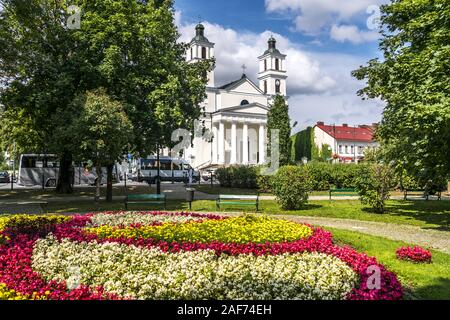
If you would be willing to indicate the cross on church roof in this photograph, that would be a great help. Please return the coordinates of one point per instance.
(244, 68)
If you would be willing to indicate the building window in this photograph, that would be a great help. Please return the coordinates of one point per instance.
(346, 149)
(244, 102)
(277, 64)
(265, 86)
(353, 149)
(360, 149)
(203, 53)
(277, 86)
(340, 148)
(265, 64)
(192, 53)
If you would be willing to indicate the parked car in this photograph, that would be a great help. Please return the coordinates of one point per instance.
(4, 177)
(206, 174)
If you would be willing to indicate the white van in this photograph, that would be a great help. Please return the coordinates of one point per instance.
(171, 169)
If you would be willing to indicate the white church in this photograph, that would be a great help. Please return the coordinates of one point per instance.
(236, 112)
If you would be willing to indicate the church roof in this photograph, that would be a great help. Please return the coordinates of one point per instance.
(234, 84)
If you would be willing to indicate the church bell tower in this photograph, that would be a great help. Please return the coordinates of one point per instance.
(201, 49)
(272, 70)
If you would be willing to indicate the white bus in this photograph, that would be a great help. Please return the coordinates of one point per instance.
(171, 169)
(42, 170)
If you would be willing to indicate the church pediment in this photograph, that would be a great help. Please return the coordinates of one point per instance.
(242, 85)
(253, 108)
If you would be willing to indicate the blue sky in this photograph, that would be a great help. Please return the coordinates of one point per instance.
(324, 40)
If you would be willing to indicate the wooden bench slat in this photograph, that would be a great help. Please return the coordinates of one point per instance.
(244, 200)
(146, 199)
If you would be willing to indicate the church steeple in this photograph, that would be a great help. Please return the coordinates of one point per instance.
(272, 70)
(201, 49)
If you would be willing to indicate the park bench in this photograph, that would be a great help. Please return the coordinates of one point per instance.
(341, 192)
(423, 192)
(244, 200)
(146, 199)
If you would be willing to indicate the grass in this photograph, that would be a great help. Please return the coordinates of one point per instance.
(421, 281)
(428, 215)
(85, 192)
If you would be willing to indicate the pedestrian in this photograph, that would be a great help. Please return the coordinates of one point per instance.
(191, 173)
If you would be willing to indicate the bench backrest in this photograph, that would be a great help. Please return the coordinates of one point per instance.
(237, 197)
(146, 196)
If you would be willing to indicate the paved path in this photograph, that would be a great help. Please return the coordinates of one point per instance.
(438, 240)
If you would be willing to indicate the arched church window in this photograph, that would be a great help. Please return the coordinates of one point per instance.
(277, 86)
(192, 53)
(203, 53)
(265, 86)
(265, 64)
(244, 102)
(277, 64)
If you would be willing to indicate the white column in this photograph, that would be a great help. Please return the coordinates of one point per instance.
(262, 144)
(233, 143)
(214, 145)
(245, 144)
(221, 143)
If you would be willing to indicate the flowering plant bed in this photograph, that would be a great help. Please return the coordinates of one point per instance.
(153, 255)
(414, 254)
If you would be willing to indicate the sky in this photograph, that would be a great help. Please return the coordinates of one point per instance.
(324, 40)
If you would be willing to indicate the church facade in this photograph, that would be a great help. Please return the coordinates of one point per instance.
(235, 113)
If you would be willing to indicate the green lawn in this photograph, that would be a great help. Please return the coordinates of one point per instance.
(216, 189)
(35, 194)
(430, 214)
(422, 281)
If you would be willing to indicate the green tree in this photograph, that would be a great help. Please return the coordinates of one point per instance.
(128, 47)
(413, 78)
(374, 183)
(278, 119)
(101, 129)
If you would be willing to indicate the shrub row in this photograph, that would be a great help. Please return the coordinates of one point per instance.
(322, 176)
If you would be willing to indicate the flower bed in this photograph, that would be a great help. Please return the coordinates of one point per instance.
(172, 256)
(414, 254)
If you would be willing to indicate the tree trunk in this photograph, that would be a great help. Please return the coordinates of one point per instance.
(98, 183)
(109, 183)
(65, 176)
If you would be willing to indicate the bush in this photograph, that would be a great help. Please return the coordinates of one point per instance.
(242, 176)
(374, 184)
(291, 185)
(326, 175)
(264, 183)
(237, 177)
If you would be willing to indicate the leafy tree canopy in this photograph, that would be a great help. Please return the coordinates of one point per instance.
(413, 78)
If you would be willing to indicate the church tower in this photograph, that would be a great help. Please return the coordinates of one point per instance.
(201, 49)
(272, 70)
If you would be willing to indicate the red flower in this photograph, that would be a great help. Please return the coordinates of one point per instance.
(414, 254)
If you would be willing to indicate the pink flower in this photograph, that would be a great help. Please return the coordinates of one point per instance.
(414, 254)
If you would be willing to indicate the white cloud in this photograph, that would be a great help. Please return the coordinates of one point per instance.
(316, 16)
(352, 34)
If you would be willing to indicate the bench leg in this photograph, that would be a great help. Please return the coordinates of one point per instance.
(126, 206)
(217, 205)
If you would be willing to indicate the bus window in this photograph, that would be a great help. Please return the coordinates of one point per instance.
(166, 165)
(177, 166)
(28, 162)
